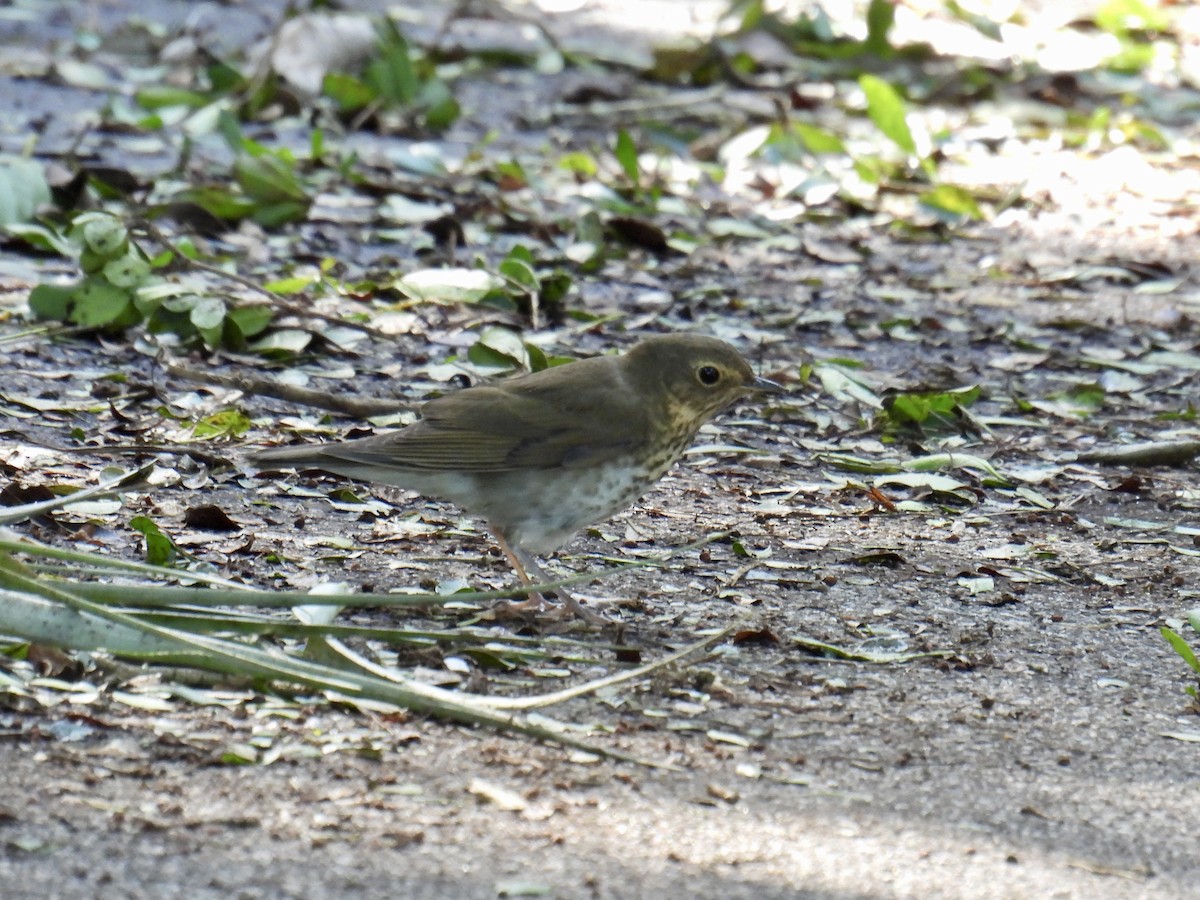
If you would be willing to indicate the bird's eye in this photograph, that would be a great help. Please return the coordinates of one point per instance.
(708, 375)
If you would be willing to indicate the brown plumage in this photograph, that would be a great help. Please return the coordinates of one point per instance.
(540, 456)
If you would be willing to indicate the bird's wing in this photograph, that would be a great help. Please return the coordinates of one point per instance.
(547, 423)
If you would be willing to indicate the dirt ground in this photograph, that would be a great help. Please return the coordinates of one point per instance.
(1043, 747)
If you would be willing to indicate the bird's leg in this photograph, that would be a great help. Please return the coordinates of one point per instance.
(568, 600)
(524, 565)
(534, 601)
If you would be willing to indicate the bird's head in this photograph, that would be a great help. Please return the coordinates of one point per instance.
(692, 377)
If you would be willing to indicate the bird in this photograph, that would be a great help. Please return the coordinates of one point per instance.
(540, 456)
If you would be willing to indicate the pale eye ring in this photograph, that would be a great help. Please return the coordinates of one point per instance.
(708, 375)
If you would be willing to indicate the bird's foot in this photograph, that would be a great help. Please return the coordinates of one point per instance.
(569, 607)
(511, 609)
(566, 610)
(527, 569)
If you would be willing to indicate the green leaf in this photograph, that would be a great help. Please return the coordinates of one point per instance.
(98, 303)
(52, 301)
(212, 337)
(1086, 397)
(583, 164)
(231, 130)
(982, 24)
(1173, 358)
(1120, 17)
(938, 484)
(151, 122)
(939, 461)
(128, 271)
(844, 385)
(173, 297)
(859, 464)
(555, 286)
(224, 78)
(226, 423)
(1132, 58)
(881, 15)
(347, 92)
(23, 189)
(887, 110)
(250, 320)
(391, 74)
(42, 238)
(817, 140)
(441, 109)
(871, 169)
(520, 274)
(1181, 647)
(449, 285)
(163, 96)
(160, 549)
(929, 408)
(272, 215)
(627, 156)
(953, 201)
(93, 263)
(511, 174)
(285, 341)
(268, 179)
(522, 253)
(498, 348)
(220, 202)
(208, 313)
(537, 359)
(294, 285)
(105, 235)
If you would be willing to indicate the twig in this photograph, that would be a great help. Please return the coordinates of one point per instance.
(29, 510)
(1151, 453)
(659, 107)
(277, 302)
(355, 407)
(50, 331)
(608, 681)
(491, 9)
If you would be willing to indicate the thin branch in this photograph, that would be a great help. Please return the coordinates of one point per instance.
(251, 385)
(1152, 453)
(277, 301)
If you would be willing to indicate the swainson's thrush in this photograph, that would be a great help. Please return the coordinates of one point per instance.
(540, 456)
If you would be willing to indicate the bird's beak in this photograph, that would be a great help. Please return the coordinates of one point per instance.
(763, 386)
